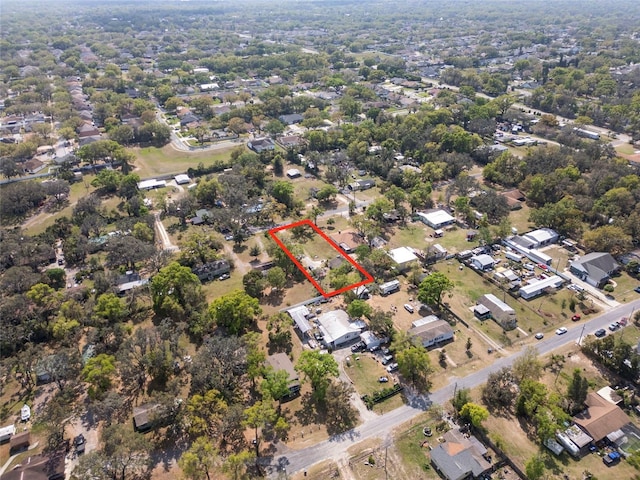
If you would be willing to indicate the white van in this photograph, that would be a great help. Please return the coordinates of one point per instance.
(408, 308)
(529, 266)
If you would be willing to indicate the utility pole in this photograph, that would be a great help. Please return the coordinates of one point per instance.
(581, 333)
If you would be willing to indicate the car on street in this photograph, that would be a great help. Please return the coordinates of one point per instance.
(539, 336)
(392, 367)
(600, 333)
(383, 379)
(576, 317)
(561, 331)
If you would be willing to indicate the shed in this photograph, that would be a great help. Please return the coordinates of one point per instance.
(293, 173)
(25, 413)
(182, 179)
(143, 417)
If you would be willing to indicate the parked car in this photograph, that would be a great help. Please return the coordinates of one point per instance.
(358, 347)
(386, 359)
(383, 379)
(408, 308)
(224, 276)
(542, 266)
(614, 326)
(392, 367)
(427, 431)
(575, 318)
(561, 331)
(374, 348)
(600, 333)
(539, 336)
(637, 289)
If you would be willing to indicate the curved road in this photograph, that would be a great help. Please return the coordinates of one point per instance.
(336, 447)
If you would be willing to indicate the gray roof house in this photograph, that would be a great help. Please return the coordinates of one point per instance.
(259, 145)
(281, 361)
(291, 118)
(211, 270)
(595, 268)
(460, 456)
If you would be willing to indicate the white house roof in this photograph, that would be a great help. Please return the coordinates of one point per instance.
(424, 321)
(299, 316)
(483, 259)
(496, 302)
(335, 324)
(153, 183)
(402, 255)
(553, 281)
(542, 235)
(8, 430)
(25, 413)
(182, 178)
(293, 172)
(439, 217)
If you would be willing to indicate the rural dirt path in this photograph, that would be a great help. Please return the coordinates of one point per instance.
(241, 266)
(164, 236)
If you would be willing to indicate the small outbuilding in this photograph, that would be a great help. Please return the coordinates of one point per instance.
(182, 179)
(143, 417)
(19, 442)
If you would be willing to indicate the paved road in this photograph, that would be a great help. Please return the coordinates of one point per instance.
(336, 447)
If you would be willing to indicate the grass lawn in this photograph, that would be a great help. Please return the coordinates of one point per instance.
(364, 370)
(625, 148)
(151, 161)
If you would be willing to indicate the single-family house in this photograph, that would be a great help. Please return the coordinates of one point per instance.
(538, 287)
(188, 119)
(291, 118)
(502, 313)
(482, 262)
(19, 442)
(211, 270)
(144, 417)
(38, 467)
(436, 219)
(594, 268)
(361, 185)
(514, 198)
(33, 166)
(88, 130)
(202, 216)
(151, 184)
(460, 456)
(432, 333)
(290, 141)
(282, 362)
(536, 238)
(260, 145)
(347, 240)
(403, 257)
(336, 328)
(601, 417)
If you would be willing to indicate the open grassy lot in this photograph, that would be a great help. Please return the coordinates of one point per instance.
(151, 161)
(625, 148)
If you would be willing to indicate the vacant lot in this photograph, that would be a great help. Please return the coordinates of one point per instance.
(364, 370)
(151, 161)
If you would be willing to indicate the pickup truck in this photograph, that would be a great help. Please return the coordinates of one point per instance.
(611, 458)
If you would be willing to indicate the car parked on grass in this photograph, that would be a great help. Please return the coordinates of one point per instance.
(386, 359)
(539, 336)
(392, 367)
(383, 379)
(611, 458)
(600, 333)
(561, 331)
(409, 308)
(224, 276)
(576, 317)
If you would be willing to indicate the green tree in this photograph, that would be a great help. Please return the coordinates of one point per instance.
(236, 464)
(474, 413)
(282, 191)
(254, 283)
(527, 366)
(99, 371)
(433, 287)
(199, 460)
(318, 368)
(279, 327)
(258, 416)
(414, 365)
(327, 193)
(177, 293)
(255, 251)
(460, 399)
(275, 384)
(534, 468)
(204, 414)
(608, 238)
(577, 390)
(110, 307)
(359, 308)
(276, 278)
(235, 311)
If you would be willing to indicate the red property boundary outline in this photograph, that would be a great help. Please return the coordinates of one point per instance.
(367, 276)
